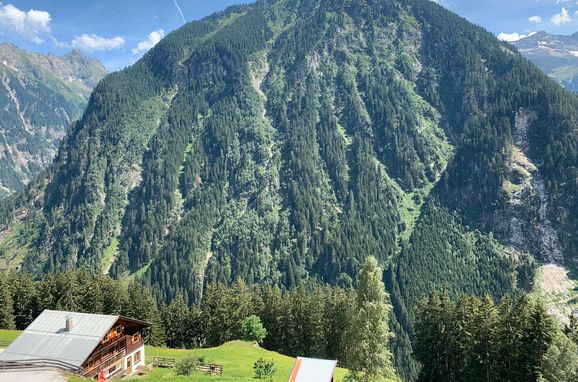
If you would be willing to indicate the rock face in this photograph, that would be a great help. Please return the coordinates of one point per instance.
(528, 222)
(40, 96)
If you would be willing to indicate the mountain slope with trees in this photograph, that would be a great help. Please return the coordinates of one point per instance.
(285, 141)
(40, 96)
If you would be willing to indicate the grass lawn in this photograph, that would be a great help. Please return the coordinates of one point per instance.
(9, 335)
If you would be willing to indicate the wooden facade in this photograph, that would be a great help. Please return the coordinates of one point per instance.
(119, 353)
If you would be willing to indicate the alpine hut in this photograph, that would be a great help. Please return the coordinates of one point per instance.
(91, 345)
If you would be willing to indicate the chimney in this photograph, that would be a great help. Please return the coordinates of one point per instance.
(69, 324)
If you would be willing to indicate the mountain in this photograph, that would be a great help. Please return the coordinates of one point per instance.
(556, 55)
(40, 96)
(285, 141)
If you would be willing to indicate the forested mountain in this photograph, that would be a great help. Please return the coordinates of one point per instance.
(556, 55)
(285, 141)
(39, 98)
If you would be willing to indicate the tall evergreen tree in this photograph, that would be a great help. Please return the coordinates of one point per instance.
(369, 336)
(24, 298)
(6, 307)
(176, 323)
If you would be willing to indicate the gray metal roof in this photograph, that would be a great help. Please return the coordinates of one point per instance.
(312, 370)
(47, 338)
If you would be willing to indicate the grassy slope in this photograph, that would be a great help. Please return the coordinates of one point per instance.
(237, 358)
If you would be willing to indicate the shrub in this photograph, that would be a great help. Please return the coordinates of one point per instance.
(187, 365)
(264, 369)
(253, 329)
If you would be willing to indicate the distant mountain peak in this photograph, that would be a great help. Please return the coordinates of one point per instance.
(40, 96)
(556, 55)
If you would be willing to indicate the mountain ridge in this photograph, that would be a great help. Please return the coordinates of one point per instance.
(41, 96)
(284, 141)
(556, 55)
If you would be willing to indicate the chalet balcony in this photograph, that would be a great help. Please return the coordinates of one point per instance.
(111, 354)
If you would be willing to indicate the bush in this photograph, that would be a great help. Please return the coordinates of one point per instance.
(253, 329)
(264, 369)
(187, 365)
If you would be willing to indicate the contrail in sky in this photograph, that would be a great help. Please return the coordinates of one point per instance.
(180, 11)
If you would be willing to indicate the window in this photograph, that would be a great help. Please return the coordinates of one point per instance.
(136, 357)
(112, 370)
(135, 338)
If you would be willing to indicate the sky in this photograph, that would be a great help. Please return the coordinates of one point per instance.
(119, 32)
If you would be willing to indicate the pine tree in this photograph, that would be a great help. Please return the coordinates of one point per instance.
(537, 339)
(217, 319)
(155, 335)
(67, 292)
(6, 308)
(483, 359)
(241, 307)
(25, 299)
(116, 295)
(91, 298)
(175, 318)
(432, 328)
(369, 337)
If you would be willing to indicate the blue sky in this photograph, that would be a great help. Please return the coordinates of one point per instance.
(118, 32)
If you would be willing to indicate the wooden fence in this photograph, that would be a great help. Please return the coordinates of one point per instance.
(212, 369)
(163, 362)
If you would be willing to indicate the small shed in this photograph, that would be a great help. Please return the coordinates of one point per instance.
(312, 370)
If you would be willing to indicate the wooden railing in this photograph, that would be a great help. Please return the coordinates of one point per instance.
(211, 369)
(111, 354)
(163, 362)
(103, 363)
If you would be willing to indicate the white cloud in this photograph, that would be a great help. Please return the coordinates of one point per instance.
(92, 42)
(32, 25)
(561, 18)
(535, 19)
(153, 38)
(512, 37)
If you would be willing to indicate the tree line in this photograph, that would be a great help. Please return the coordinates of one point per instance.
(475, 339)
(324, 322)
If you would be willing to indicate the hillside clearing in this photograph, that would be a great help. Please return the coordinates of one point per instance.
(237, 358)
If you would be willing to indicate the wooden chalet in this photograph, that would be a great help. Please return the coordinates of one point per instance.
(91, 345)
